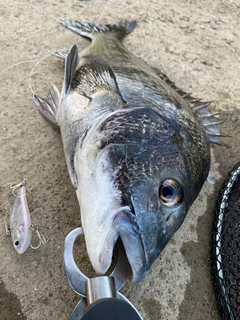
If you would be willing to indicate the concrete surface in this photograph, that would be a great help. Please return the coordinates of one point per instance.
(196, 43)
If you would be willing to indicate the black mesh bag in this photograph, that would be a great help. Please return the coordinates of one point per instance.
(226, 246)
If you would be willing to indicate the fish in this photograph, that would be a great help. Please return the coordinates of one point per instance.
(20, 222)
(137, 147)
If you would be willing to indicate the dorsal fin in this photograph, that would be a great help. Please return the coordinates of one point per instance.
(94, 75)
(186, 96)
(200, 109)
(209, 121)
(71, 64)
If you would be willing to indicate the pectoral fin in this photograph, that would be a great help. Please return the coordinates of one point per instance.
(95, 75)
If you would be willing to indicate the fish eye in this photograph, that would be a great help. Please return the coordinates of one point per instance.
(170, 193)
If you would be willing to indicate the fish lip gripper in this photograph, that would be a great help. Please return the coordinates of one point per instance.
(100, 295)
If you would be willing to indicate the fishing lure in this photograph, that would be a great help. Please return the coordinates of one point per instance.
(21, 228)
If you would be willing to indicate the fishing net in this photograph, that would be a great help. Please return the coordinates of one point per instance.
(226, 246)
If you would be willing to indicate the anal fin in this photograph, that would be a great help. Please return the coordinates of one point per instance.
(48, 106)
(60, 54)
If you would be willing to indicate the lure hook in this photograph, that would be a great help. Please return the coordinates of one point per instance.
(7, 228)
(14, 186)
(41, 237)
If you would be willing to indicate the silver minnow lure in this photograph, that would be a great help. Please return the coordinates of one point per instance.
(20, 222)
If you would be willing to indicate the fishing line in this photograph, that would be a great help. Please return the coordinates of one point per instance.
(30, 75)
(43, 58)
(27, 61)
(37, 62)
(16, 64)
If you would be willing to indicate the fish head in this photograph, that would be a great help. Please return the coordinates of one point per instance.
(156, 172)
(157, 197)
(160, 209)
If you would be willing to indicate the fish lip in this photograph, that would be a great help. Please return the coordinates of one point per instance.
(125, 223)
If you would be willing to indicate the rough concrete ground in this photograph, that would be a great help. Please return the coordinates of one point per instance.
(196, 43)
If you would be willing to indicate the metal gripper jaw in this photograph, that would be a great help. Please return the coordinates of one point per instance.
(101, 298)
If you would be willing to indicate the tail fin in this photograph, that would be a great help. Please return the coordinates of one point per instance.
(87, 30)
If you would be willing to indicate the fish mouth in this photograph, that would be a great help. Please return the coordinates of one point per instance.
(128, 232)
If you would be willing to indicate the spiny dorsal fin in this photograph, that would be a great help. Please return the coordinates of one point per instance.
(186, 96)
(201, 110)
(209, 121)
(71, 64)
(94, 75)
(87, 29)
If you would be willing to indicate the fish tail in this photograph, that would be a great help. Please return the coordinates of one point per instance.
(87, 30)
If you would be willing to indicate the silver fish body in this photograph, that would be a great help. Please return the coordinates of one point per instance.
(137, 147)
(20, 222)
